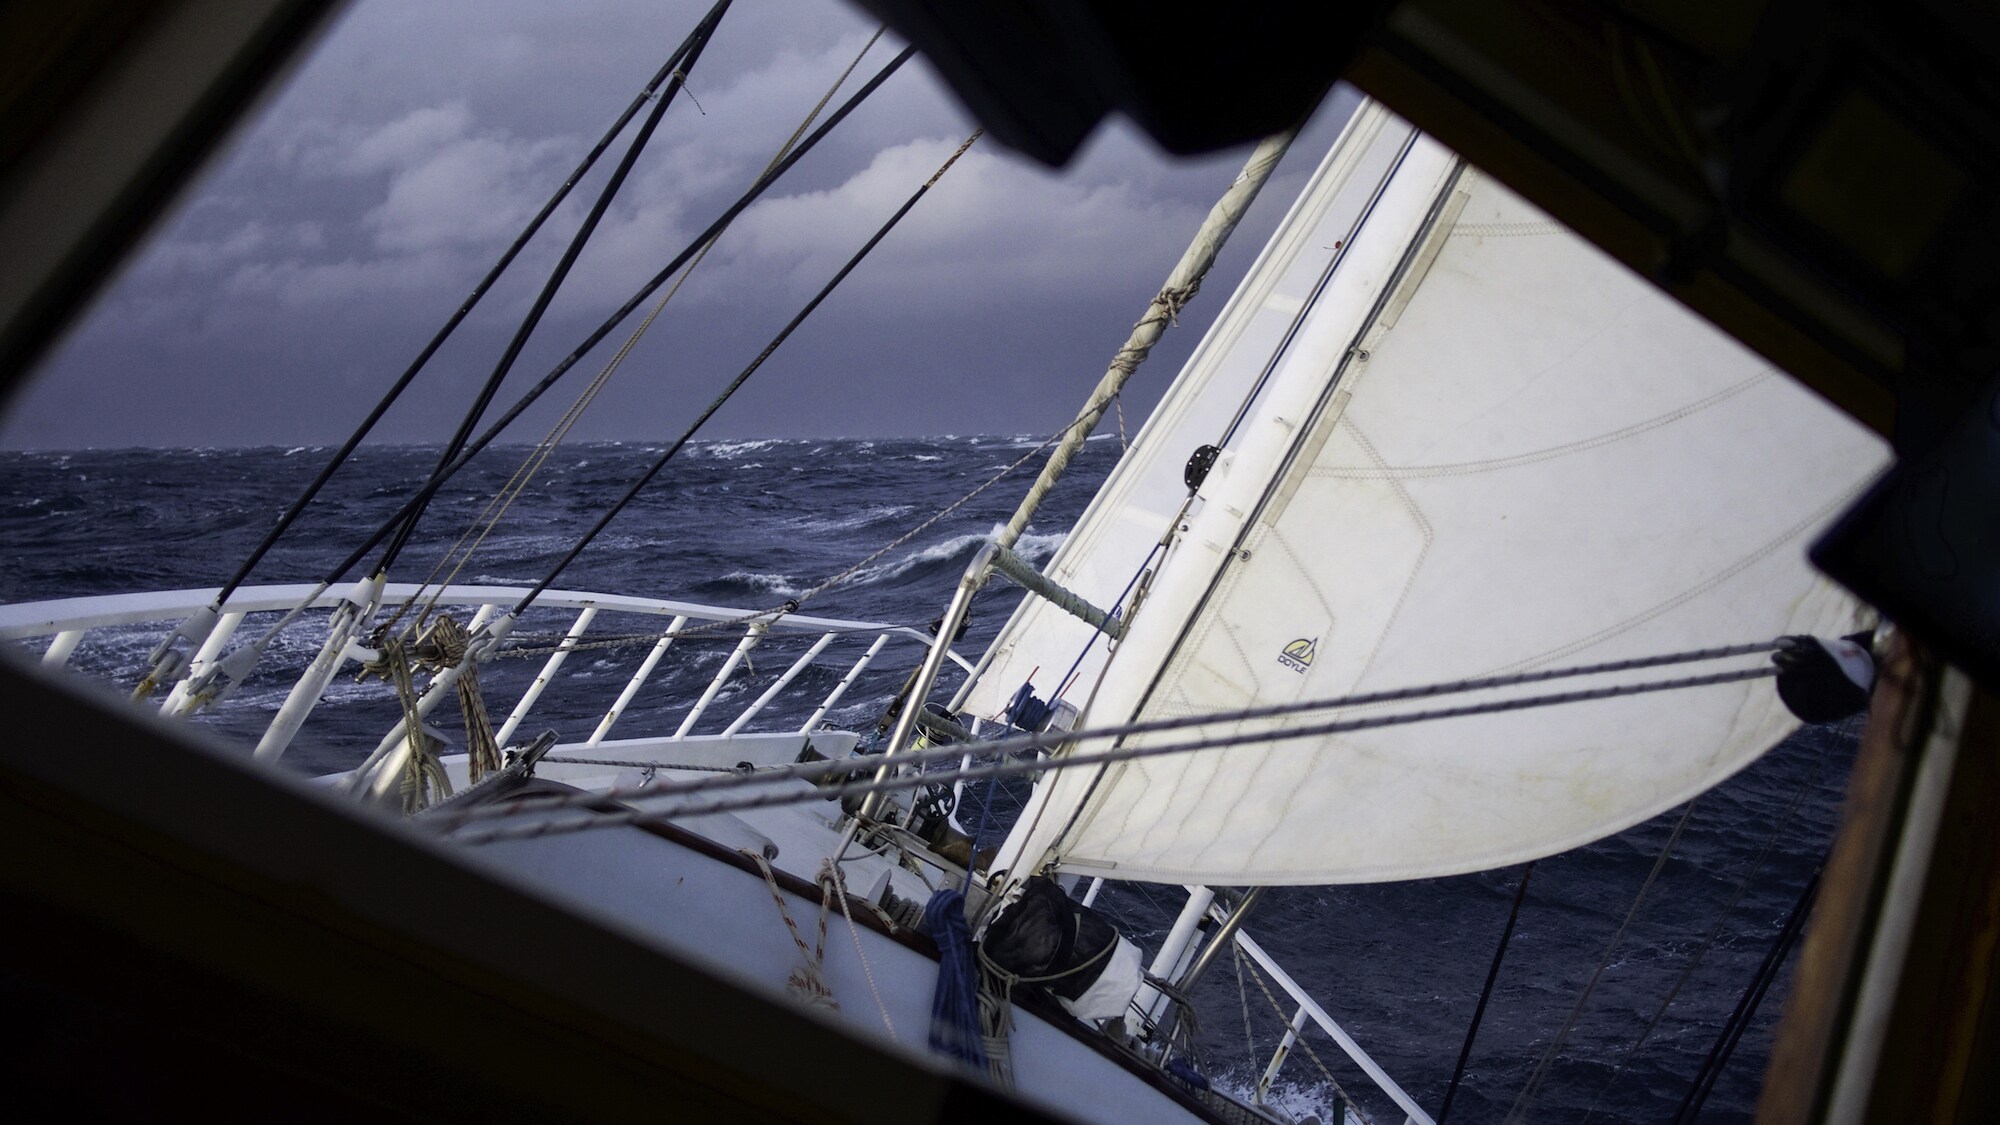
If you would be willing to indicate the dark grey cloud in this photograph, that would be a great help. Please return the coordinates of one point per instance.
(359, 206)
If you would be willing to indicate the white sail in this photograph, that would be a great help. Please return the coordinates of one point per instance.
(1136, 507)
(1491, 449)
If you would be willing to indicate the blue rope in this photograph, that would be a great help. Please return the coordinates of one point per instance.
(955, 1028)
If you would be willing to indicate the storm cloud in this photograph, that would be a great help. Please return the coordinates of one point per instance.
(359, 205)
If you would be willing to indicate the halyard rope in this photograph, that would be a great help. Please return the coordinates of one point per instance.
(809, 979)
(822, 772)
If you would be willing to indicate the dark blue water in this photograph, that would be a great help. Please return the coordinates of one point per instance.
(753, 523)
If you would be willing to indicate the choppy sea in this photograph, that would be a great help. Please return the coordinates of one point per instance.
(753, 523)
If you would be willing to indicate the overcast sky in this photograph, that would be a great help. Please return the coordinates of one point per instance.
(361, 203)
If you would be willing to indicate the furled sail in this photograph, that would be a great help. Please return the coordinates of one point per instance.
(1488, 449)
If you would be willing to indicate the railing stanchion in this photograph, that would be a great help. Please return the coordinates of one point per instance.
(1278, 1057)
(846, 682)
(548, 673)
(751, 636)
(1339, 1034)
(61, 648)
(638, 680)
(771, 692)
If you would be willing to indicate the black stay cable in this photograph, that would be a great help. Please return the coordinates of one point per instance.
(743, 376)
(465, 308)
(1486, 993)
(699, 40)
(1746, 1006)
(596, 337)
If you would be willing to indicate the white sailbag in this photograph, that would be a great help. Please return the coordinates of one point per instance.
(1489, 449)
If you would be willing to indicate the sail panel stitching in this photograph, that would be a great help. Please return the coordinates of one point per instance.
(1383, 471)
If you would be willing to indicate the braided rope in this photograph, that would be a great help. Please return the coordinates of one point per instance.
(832, 884)
(808, 979)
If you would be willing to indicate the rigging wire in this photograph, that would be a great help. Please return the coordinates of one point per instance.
(557, 276)
(742, 377)
(1339, 1091)
(1050, 740)
(1746, 1005)
(1485, 993)
(1526, 1099)
(473, 448)
(792, 605)
(845, 788)
(1714, 932)
(496, 509)
(298, 506)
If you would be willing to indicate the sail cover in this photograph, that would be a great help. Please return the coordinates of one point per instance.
(1491, 450)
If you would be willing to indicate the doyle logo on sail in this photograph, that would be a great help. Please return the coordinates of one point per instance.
(1298, 656)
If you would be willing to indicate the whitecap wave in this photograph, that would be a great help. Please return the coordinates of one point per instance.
(952, 548)
(779, 584)
(731, 450)
(1039, 548)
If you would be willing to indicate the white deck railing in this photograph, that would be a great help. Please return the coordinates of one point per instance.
(69, 621)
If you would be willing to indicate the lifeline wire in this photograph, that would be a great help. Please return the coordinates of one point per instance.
(729, 803)
(1049, 740)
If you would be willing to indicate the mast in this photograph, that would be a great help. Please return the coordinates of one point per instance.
(1181, 285)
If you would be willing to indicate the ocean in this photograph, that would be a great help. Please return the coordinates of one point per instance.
(752, 523)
